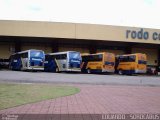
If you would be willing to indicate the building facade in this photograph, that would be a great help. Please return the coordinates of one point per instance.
(86, 38)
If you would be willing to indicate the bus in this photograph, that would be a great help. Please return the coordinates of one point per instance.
(27, 60)
(63, 62)
(97, 63)
(131, 63)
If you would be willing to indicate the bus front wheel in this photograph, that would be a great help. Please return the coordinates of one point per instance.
(21, 69)
(120, 72)
(88, 71)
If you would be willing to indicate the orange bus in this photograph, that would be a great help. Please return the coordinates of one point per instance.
(131, 63)
(99, 62)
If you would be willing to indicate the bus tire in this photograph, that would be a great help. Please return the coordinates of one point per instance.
(21, 69)
(120, 72)
(83, 71)
(88, 71)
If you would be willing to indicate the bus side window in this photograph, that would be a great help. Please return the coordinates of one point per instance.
(63, 56)
(132, 58)
(123, 58)
(24, 55)
(57, 57)
(95, 58)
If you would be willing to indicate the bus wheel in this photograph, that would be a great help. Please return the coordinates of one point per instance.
(57, 70)
(120, 72)
(21, 69)
(88, 71)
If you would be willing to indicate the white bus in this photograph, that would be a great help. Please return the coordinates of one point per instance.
(27, 60)
(63, 61)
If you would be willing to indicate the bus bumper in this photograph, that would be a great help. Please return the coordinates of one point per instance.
(140, 71)
(36, 68)
(109, 71)
(134, 71)
(101, 70)
(74, 70)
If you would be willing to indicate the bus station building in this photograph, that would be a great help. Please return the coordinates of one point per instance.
(50, 37)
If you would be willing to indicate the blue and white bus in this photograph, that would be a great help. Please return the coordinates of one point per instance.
(63, 62)
(27, 60)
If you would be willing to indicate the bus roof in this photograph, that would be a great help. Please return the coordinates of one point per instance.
(57, 53)
(96, 53)
(26, 51)
(131, 54)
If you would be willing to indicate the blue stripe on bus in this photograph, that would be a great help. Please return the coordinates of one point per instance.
(142, 62)
(109, 63)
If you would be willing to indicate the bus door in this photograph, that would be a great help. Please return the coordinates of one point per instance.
(83, 66)
(50, 64)
(16, 62)
(24, 59)
(86, 60)
(61, 61)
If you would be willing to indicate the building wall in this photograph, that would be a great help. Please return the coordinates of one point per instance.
(114, 33)
(77, 31)
(152, 55)
(37, 29)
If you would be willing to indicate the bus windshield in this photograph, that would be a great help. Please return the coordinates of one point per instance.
(93, 58)
(75, 55)
(36, 54)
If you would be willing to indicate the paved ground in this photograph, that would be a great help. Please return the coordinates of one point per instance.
(42, 77)
(98, 99)
(98, 95)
